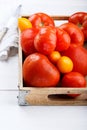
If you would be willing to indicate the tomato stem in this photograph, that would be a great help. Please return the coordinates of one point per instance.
(79, 25)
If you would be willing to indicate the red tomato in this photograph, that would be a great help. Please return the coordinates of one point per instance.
(45, 40)
(38, 71)
(63, 40)
(27, 40)
(75, 33)
(78, 55)
(41, 19)
(73, 80)
(80, 19)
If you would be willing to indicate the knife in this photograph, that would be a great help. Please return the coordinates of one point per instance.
(10, 22)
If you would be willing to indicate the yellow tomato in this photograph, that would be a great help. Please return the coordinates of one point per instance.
(54, 56)
(24, 23)
(65, 64)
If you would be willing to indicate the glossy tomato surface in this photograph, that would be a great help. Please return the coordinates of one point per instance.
(27, 40)
(78, 55)
(41, 19)
(45, 40)
(80, 19)
(75, 33)
(73, 80)
(38, 71)
(63, 40)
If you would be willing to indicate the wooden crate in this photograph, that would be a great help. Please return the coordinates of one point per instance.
(48, 96)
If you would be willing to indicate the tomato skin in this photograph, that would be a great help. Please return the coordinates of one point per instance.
(45, 40)
(78, 55)
(63, 40)
(23, 24)
(75, 33)
(80, 19)
(38, 71)
(54, 57)
(41, 19)
(27, 40)
(73, 80)
(84, 30)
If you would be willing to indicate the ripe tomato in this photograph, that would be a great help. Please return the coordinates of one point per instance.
(38, 71)
(75, 33)
(73, 80)
(27, 40)
(41, 19)
(80, 19)
(54, 56)
(78, 55)
(45, 40)
(65, 64)
(63, 40)
(24, 23)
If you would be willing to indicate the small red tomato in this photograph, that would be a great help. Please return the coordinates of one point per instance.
(73, 80)
(45, 40)
(27, 40)
(75, 33)
(41, 20)
(63, 40)
(80, 19)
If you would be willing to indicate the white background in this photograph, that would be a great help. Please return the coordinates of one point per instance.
(14, 117)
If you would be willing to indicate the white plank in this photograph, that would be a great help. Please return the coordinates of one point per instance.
(14, 117)
(9, 73)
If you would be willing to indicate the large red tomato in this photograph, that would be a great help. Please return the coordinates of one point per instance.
(38, 71)
(75, 33)
(80, 19)
(27, 40)
(41, 19)
(63, 40)
(45, 40)
(73, 80)
(78, 55)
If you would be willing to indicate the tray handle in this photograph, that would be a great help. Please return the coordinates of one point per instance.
(54, 96)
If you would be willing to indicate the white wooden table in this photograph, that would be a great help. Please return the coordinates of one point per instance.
(13, 116)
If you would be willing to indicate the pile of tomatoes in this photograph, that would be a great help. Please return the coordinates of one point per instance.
(54, 56)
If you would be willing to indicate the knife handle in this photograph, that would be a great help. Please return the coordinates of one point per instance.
(3, 32)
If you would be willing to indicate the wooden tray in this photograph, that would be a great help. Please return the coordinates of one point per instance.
(48, 96)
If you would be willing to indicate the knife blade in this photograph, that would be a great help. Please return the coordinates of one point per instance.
(10, 22)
